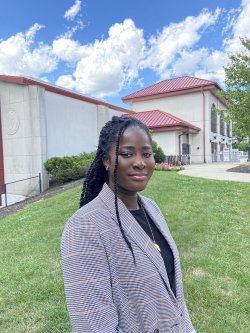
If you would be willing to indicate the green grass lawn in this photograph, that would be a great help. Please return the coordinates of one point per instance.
(209, 220)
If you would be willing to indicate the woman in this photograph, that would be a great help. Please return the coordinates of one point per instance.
(121, 266)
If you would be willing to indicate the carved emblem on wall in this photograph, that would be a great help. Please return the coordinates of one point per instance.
(13, 122)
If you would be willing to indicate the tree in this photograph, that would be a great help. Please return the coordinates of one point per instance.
(237, 91)
(158, 153)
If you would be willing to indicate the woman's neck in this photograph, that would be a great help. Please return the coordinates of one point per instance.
(130, 199)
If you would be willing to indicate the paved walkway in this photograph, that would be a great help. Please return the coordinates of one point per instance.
(217, 171)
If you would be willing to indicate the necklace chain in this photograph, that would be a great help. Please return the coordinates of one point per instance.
(145, 214)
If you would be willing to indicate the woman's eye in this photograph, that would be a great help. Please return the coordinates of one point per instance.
(126, 154)
(147, 155)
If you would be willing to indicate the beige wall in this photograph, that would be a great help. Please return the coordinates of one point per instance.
(168, 141)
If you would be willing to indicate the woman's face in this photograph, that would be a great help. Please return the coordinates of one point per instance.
(135, 162)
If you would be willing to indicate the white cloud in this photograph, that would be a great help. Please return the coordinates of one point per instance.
(18, 57)
(202, 63)
(71, 13)
(212, 67)
(175, 38)
(230, 18)
(69, 50)
(189, 61)
(66, 81)
(241, 28)
(174, 51)
(217, 59)
(108, 65)
(30, 34)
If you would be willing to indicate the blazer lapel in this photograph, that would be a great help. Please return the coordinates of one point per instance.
(134, 231)
(162, 226)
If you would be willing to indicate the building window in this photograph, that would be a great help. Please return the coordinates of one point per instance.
(228, 129)
(222, 125)
(213, 119)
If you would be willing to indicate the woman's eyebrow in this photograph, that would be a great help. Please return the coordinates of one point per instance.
(133, 147)
(127, 147)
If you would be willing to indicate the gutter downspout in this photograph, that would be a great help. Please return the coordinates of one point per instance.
(179, 137)
(204, 127)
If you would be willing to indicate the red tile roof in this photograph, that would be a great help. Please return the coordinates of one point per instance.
(175, 86)
(160, 120)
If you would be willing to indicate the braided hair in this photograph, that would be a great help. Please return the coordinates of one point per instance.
(97, 175)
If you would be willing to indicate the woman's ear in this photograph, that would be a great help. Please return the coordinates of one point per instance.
(106, 162)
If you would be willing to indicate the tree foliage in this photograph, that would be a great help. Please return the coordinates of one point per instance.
(158, 152)
(237, 90)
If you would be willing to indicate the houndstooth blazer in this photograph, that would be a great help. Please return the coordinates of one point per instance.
(105, 291)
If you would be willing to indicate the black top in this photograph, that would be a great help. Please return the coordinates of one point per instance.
(166, 251)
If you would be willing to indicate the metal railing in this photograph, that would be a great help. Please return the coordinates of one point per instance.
(178, 159)
(28, 193)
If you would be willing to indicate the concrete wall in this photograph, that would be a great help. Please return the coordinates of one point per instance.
(105, 114)
(71, 125)
(37, 125)
(24, 133)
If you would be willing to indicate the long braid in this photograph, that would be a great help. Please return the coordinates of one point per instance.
(116, 192)
(94, 181)
(97, 175)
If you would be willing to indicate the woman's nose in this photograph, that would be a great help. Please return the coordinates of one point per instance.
(139, 162)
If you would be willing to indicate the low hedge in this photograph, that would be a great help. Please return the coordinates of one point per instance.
(68, 168)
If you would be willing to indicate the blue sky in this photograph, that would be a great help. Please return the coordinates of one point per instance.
(108, 49)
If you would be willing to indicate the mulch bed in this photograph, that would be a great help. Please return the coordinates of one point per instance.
(244, 168)
(50, 192)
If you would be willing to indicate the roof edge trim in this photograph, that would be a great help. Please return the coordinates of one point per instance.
(61, 91)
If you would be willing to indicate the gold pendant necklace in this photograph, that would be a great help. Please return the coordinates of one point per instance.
(153, 241)
(157, 246)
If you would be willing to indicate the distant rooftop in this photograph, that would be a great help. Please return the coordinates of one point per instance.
(175, 86)
(158, 121)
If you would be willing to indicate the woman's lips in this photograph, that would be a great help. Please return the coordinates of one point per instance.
(138, 177)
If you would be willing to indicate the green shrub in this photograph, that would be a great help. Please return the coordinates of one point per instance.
(68, 168)
(158, 153)
(241, 146)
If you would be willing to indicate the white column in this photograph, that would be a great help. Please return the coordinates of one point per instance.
(218, 134)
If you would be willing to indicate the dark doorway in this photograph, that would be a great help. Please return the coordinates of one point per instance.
(186, 149)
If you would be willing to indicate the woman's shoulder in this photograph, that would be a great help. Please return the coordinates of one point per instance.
(83, 228)
(89, 214)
